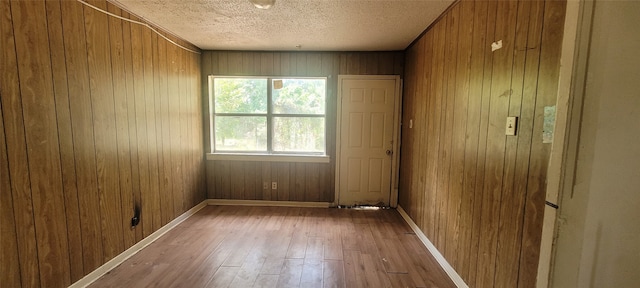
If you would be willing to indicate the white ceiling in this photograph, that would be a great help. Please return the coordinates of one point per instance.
(315, 25)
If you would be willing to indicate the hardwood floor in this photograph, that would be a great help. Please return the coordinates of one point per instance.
(237, 246)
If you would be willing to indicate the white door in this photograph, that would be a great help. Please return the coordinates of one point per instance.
(366, 145)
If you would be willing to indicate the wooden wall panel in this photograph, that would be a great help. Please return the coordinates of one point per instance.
(478, 210)
(148, 109)
(461, 100)
(41, 139)
(118, 63)
(18, 175)
(174, 130)
(416, 140)
(103, 110)
(547, 87)
(85, 137)
(166, 197)
(296, 181)
(518, 149)
(82, 129)
(10, 275)
(69, 179)
(476, 193)
(468, 236)
(131, 115)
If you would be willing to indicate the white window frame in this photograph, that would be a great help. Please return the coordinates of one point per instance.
(269, 155)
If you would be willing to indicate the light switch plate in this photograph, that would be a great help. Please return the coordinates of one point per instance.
(512, 123)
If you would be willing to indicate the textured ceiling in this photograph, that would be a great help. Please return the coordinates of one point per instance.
(315, 25)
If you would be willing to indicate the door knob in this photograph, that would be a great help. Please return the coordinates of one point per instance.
(389, 152)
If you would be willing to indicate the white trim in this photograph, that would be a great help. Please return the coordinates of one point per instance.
(433, 250)
(113, 263)
(571, 79)
(231, 202)
(270, 158)
(395, 157)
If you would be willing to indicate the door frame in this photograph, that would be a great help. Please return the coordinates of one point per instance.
(564, 149)
(395, 156)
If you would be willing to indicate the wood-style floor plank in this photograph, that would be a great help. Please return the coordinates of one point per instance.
(227, 246)
(312, 271)
(333, 274)
(266, 281)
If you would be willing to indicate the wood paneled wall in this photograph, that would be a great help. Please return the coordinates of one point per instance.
(99, 116)
(477, 194)
(296, 181)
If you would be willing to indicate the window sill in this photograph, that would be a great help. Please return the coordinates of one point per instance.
(269, 158)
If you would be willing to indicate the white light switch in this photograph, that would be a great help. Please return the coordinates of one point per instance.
(512, 123)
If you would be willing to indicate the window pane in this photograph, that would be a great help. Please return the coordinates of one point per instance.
(240, 95)
(298, 134)
(240, 133)
(298, 96)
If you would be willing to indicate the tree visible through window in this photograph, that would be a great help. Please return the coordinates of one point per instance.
(269, 115)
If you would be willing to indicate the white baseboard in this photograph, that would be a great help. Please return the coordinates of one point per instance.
(436, 254)
(113, 263)
(268, 203)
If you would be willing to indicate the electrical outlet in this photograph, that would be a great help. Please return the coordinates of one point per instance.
(265, 185)
(135, 220)
(274, 185)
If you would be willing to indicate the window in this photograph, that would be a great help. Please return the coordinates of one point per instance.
(265, 115)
